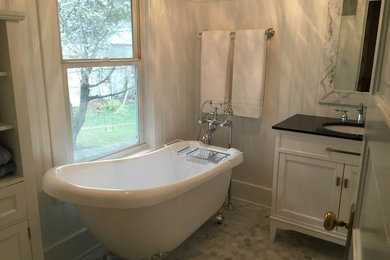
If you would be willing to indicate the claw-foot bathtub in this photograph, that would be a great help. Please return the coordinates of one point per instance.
(147, 204)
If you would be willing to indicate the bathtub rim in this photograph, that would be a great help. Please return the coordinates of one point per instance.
(108, 198)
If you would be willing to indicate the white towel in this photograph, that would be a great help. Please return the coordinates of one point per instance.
(214, 67)
(249, 73)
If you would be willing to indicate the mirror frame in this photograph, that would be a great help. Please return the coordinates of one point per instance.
(326, 92)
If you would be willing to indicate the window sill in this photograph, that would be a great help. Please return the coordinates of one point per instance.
(128, 152)
(135, 151)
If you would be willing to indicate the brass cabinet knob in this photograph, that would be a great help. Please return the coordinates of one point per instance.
(331, 221)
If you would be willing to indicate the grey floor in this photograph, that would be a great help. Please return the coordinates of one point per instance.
(244, 235)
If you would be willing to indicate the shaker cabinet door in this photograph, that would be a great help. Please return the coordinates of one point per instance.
(307, 188)
(14, 242)
(348, 193)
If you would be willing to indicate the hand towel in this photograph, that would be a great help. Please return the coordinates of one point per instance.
(249, 73)
(5, 155)
(214, 67)
(8, 168)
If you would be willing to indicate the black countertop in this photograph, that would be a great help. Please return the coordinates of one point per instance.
(315, 125)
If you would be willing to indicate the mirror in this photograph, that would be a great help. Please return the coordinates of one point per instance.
(350, 44)
(357, 40)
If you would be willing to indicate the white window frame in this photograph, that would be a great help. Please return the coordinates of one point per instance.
(57, 94)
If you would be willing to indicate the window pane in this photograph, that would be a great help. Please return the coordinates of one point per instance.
(104, 109)
(96, 29)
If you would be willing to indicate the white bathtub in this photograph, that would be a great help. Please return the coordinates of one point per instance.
(147, 204)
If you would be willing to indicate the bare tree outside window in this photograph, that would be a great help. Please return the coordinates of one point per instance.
(103, 98)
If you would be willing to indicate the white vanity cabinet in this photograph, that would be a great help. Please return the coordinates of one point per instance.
(313, 174)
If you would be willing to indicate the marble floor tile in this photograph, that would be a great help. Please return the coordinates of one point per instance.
(244, 235)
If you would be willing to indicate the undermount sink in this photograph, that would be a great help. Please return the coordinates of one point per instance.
(355, 129)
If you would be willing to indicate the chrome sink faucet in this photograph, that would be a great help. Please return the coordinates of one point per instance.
(360, 109)
(344, 116)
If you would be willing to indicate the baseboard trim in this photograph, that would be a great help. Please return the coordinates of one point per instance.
(251, 202)
(255, 194)
(88, 251)
(72, 247)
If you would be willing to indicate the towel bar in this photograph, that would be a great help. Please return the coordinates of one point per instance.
(269, 33)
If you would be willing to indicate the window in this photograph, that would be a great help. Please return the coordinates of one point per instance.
(101, 59)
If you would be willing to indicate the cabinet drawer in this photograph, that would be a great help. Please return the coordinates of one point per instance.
(12, 204)
(335, 149)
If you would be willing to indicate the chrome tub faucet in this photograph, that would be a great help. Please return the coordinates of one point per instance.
(213, 122)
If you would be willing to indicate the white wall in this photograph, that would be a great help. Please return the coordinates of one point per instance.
(64, 235)
(170, 71)
(292, 77)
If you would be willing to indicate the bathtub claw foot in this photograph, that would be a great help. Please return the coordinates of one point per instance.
(158, 256)
(229, 207)
(109, 256)
(219, 218)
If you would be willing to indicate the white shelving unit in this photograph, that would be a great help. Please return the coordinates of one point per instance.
(20, 232)
(18, 203)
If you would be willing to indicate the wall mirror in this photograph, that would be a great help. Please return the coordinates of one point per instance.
(350, 46)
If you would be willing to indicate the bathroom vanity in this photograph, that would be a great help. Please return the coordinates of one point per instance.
(316, 170)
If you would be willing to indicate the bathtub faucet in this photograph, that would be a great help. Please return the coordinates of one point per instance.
(213, 122)
(229, 124)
